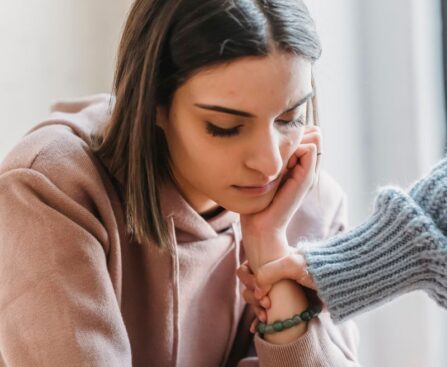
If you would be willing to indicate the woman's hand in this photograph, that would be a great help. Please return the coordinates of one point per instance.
(292, 266)
(264, 232)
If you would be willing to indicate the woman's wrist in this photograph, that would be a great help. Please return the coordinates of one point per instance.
(287, 299)
(263, 249)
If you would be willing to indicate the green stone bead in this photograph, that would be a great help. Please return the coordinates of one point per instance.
(296, 319)
(261, 328)
(305, 315)
(288, 323)
(278, 326)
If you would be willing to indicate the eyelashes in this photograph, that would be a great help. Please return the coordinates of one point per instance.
(220, 132)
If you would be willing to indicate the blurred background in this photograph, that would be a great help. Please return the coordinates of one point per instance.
(382, 105)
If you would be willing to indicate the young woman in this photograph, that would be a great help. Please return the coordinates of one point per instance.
(123, 218)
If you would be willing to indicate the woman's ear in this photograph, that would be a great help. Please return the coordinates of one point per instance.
(161, 118)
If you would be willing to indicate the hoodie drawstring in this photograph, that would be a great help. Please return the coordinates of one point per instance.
(175, 283)
(235, 319)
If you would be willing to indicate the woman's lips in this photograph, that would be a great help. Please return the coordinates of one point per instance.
(257, 190)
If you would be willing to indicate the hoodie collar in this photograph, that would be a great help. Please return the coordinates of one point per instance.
(187, 219)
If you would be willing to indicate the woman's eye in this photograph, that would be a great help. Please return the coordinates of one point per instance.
(221, 132)
(218, 131)
(299, 122)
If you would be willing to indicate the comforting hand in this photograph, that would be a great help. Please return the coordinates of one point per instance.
(292, 266)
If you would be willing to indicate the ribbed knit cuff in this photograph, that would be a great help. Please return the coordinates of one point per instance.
(301, 352)
(430, 192)
(398, 249)
(316, 347)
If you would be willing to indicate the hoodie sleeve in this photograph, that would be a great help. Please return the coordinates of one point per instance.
(323, 344)
(57, 302)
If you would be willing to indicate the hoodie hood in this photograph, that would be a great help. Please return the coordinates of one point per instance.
(87, 114)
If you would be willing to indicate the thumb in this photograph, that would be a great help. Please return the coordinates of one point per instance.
(292, 266)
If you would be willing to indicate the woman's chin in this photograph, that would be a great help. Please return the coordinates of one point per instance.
(250, 205)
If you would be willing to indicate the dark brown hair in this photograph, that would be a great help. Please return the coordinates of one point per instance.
(164, 43)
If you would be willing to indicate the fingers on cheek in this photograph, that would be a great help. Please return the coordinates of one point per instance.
(313, 128)
(292, 161)
(313, 138)
(314, 145)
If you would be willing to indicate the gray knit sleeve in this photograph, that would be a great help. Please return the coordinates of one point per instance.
(397, 250)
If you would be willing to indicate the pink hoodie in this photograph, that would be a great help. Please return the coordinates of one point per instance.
(75, 291)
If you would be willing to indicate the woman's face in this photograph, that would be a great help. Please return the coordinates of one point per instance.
(255, 100)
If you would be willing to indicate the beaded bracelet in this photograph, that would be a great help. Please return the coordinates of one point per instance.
(297, 319)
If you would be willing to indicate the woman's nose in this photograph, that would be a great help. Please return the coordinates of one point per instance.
(265, 154)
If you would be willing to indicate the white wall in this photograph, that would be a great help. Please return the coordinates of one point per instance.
(380, 79)
(50, 50)
(340, 103)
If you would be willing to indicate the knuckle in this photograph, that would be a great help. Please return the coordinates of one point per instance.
(315, 138)
(299, 266)
(288, 262)
(291, 267)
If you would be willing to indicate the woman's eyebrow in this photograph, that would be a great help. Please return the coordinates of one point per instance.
(248, 114)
